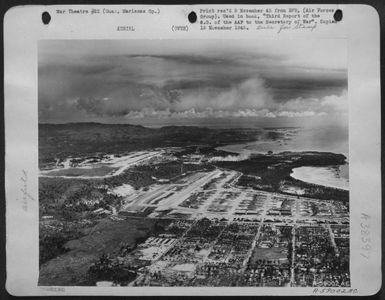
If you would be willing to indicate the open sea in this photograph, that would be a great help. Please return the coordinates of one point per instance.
(324, 139)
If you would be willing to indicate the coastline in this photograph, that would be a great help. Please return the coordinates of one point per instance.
(321, 176)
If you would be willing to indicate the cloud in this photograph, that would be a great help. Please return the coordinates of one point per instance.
(327, 105)
(253, 106)
(292, 114)
(336, 103)
(248, 99)
(250, 93)
(158, 79)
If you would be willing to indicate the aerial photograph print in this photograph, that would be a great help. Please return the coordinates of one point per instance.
(193, 163)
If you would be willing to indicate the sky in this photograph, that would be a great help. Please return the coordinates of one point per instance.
(194, 82)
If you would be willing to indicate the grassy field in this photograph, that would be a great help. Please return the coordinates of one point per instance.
(70, 269)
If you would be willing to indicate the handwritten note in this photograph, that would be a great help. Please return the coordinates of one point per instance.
(273, 19)
(26, 196)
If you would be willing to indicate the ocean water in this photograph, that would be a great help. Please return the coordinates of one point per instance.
(326, 139)
(336, 176)
(323, 139)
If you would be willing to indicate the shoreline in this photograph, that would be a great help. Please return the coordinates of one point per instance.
(320, 176)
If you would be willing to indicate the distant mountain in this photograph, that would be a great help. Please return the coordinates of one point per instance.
(61, 140)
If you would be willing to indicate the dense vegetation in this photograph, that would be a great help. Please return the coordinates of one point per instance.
(55, 234)
(71, 202)
(63, 140)
(272, 172)
(111, 266)
(106, 269)
(143, 175)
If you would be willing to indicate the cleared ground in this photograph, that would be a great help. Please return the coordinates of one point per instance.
(108, 167)
(89, 172)
(70, 269)
(269, 253)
